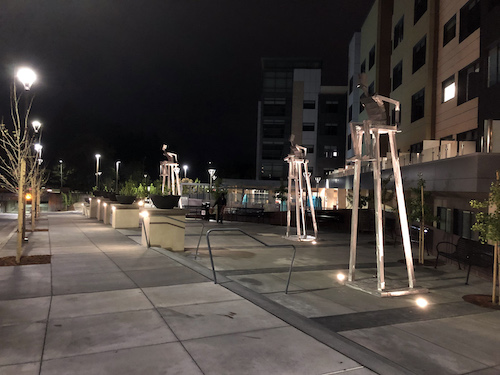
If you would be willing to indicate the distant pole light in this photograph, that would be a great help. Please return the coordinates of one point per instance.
(98, 157)
(117, 175)
(36, 126)
(185, 167)
(61, 171)
(26, 76)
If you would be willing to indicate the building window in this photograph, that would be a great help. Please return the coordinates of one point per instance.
(272, 150)
(310, 149)
(330, 152)
(273, 128)
(331, 129)
(449, 30)
(469, 18)
(444, 219)
(468, 83)
(350, 113)
(308, 126)
(363, 66)
(419, 54)
(371, 58)
(349, 142)
(277, 81)
(332, 106)
(398, 32)
(274, 107)
(397, 75)
(351, 84)
(420, 8)
(448, 89)
(309, 104)
(462, 223)
(417, 105)
(371, 89)
(494, 65)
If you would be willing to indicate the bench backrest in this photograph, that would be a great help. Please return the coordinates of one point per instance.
(466, 247)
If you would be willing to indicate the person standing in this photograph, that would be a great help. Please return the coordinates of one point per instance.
(221, 204)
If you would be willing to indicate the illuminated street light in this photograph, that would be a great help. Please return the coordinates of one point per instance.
(38, 148)
(61, 167)
(117, 175)
(211, 172)
(98, 157)
(185, 167)
(36, 125)
(26, 76)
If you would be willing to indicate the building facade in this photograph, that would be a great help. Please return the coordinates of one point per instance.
(293, 102)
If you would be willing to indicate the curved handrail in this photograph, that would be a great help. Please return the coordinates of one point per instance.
(252, 237)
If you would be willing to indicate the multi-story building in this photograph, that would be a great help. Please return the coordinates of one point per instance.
(294, 103)
(444, 68)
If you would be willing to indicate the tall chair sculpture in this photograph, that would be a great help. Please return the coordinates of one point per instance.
(298, 174)
(366, 144)
(169, 171)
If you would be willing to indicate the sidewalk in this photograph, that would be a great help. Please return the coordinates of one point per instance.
(106, 305)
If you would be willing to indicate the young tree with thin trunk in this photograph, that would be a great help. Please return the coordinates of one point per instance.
(17, 157)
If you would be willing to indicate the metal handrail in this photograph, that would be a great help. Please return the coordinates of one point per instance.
(256, 239)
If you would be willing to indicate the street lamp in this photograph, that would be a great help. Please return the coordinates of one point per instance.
(61, 172)
(26, 76)
(36, 125)
(185, 167)
(98, 157)
(117, 176)
(211, 172)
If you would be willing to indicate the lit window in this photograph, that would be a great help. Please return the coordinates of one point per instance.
(449, 89)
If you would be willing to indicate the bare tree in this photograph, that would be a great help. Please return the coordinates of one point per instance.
(17, 158)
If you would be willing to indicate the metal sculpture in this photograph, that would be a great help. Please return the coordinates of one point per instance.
(366, 145)
(298, 174)
(169, 171)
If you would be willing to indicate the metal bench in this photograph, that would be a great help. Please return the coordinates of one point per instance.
(467, 252)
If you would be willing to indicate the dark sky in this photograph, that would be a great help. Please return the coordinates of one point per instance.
(123, 77)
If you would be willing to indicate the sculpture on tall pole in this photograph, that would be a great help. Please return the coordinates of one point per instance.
(169, 171)
(298, 175)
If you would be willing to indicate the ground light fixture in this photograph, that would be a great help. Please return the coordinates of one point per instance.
(340, 277)
(421, 302)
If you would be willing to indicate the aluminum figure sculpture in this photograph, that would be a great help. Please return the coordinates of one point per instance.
(169, 171)
(366, 145)
(298, 174)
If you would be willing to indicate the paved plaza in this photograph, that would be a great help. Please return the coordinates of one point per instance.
(107, 305)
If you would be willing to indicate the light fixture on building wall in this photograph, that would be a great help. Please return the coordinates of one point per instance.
(449, 92)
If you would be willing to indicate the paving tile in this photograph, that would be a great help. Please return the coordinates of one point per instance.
(272, 351)
(203, 320)
(98, 333)
(144, 262)
(165, 276)
(481, 332)
(25, 281)
(21, 343)
(25, 310)
(189, 294)
(83, 304)
(309, 304)
(88, 282)
(264, 283)
(416, 354)
(21, 369)
(71, 249)
(151, 360)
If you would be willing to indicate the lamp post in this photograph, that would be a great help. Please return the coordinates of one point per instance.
(97, 157)
(185, 167)
(61, 171)
(27, 77)
(117, 175)
(211, 173)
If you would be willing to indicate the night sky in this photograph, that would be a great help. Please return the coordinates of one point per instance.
(122, 77)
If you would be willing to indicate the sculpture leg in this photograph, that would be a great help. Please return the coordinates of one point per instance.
(377, 190)
(289, 199)
(301, 192)
(297, 198)
(402, 210)
(311, 203)
(354, 219)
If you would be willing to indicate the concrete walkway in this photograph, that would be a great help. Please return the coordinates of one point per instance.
(106, 305)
